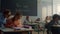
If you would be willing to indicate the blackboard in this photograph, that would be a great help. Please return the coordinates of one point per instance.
(0, 5)
(27, 7)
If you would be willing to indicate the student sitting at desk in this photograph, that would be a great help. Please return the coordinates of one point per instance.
(47, 20)
(55, 20)
(15, 21)
(26, 21)
(5, 16)
(37, 20)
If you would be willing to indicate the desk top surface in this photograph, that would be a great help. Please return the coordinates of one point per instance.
(56, 25)
(32, 23)
(15, 30)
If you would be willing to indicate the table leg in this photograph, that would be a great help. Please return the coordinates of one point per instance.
(30, 32)
(38, 29)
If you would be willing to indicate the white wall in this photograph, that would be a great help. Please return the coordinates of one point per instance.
(44, 8)
(56, 7)
(39, 13)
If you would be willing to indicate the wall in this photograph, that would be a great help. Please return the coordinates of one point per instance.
(39, 12)
(47, 8)
(44, 8)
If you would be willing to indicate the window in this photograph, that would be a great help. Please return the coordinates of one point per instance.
(56, 7)
(46, 8)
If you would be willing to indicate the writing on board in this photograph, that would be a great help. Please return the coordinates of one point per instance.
(27, 7)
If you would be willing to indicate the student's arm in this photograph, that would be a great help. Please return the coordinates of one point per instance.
(9, 23)
(20, 24)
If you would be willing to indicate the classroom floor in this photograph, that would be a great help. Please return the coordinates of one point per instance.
(39, 32)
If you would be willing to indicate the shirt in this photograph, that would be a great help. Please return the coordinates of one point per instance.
(26, 21)
(2, 21)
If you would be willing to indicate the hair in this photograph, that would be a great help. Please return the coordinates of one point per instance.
(55, 16)
(6, 12)
(17, 15)
(59, 17)
(47, 17)
(38, 19)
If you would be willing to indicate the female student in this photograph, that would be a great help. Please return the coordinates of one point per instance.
(47, 21)
(5, 16)
(15, 21)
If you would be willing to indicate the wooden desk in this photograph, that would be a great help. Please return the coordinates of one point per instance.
(13, 31)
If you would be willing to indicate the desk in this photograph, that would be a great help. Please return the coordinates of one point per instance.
(31, 24)
(56, 25)
(13, 31)
(55, 29)
(35, 26)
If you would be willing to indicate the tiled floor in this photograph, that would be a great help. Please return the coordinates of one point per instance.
(39, 32)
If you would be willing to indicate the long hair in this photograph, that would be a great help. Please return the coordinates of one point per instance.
(6, 12)
(17, 15)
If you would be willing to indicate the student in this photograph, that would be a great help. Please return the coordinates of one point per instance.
(15, 21)
(5, 16)
(47, 20)
(54, 22)
(26, 21)
(37, 20)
